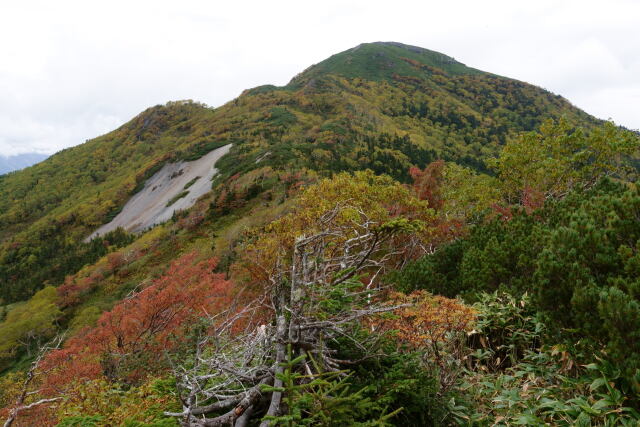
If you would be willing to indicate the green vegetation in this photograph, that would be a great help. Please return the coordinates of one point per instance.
(575, 257)
(344, 122)
(281, 117)
(29, 325)
(503, 220)
(177, 197)
(190, 183)
(560, 158)
(519, 379)
(48, 257)
(199, 149)
(383, 61)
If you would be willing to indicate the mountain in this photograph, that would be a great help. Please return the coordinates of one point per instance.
(442, 107)
(19, 161)
(381, 106)
(211, 263)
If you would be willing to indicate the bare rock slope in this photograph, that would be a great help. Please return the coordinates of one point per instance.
(152, 205)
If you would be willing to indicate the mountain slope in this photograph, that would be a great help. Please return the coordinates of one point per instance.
(439, 107)
(47, 210)
(382, 106)
(175, 187)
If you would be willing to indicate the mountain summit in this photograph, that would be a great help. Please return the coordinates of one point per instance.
(382, 61)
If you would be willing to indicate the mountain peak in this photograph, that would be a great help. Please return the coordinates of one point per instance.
(444, 59)
(382, 61)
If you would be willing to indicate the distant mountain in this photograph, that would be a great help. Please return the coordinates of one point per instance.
(382, 106)
(19, 161)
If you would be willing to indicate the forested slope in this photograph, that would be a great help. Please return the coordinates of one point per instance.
(381, 106)
(393, 239)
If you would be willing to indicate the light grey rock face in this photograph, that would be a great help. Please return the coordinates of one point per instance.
(149, 206)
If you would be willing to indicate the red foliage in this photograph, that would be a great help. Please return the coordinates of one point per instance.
(191, 221)
(142, 325)
(531, 199)
(293, 182)
(427, 320)
(505, 213)
(147, 319)
(70, 292)
(446, 230)
(427, 183)
(115, 260)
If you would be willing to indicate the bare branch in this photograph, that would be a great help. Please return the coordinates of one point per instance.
(230, 368)
(31, 375)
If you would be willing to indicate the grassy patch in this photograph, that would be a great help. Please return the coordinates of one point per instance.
(280, 116)
(190, 183)
(200, 149)
(177, 197)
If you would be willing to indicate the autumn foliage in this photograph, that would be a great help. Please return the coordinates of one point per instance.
(427, 183)
(128, 340)
(379, 198)
(427, 319)
(437, 328)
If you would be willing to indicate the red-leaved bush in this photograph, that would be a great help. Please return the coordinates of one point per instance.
(427, 183)
(128, 342)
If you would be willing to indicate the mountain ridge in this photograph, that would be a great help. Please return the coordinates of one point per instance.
(387, 120)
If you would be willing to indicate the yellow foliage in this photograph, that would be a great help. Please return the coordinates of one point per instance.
(30, 322)
(561, 157)
(143, 404)
(379, 198)
(10, 387)
(467, 194)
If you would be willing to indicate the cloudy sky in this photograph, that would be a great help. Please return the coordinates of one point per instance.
(73, 70)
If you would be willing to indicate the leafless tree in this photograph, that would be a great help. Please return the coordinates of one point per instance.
(315, 298)
(26, 391)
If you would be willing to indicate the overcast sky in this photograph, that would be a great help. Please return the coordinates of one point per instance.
(73, 70)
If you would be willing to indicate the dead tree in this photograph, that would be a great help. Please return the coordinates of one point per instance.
(315, 298)
(26, 391)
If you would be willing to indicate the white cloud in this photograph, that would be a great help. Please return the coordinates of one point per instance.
(71, 70)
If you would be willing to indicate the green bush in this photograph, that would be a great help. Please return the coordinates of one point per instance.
(517, 379)
(82, 421)
(177, 197)
(578, 259)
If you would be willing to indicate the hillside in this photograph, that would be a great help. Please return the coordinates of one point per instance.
(175, 187)
(407, 106)
(488, 215)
